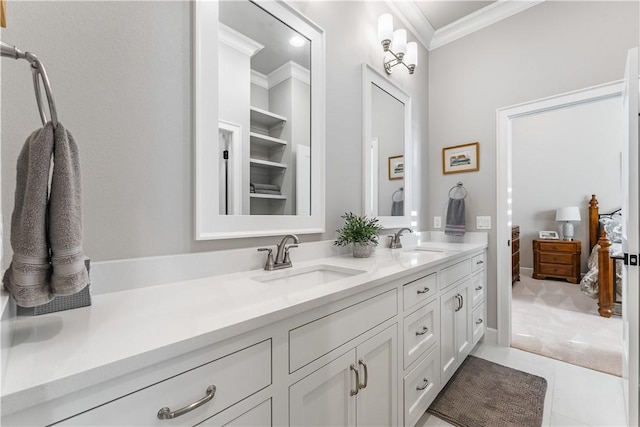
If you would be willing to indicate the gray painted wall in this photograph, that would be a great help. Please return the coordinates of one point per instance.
(559, 158)
(551, 48)
(121, 75)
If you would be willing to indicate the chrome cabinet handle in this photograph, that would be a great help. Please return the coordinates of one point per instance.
(461, 302)
(424, 385)
(354, 369)
(366, 374)
(480, 262)
(423, 331)
(423, 290)
(479, 322)
(166, 414)
(479, 288)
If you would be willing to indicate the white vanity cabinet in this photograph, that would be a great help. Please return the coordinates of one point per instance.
(375, 356)
(358, 388)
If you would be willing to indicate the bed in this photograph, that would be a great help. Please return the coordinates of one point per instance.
(603, 280)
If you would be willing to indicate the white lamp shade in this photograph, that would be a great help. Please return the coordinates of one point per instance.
(385, 27)
(399, 41)
(568, 214)
(412, 54)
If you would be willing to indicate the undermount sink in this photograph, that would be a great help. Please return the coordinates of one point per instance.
(425, 250)
(308, 276)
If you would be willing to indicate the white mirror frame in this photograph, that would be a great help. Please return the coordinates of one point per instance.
(209, 224)
(371, 76)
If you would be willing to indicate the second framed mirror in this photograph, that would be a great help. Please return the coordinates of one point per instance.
(386, 150)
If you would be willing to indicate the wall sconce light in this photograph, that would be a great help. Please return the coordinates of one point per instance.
(394, 44)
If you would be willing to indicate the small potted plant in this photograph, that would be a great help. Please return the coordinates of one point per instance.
(363, 232)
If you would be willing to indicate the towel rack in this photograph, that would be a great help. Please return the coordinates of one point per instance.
(458, 191)
(38, 72)
(393, 196)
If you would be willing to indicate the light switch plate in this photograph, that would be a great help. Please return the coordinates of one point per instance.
(483, 222)
(437, 222)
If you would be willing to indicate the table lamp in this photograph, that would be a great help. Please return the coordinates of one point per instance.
(567, 215)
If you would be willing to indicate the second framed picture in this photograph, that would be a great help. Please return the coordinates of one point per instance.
(396, 167)
(461, 158)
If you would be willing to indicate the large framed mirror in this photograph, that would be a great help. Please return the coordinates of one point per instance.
(259, 120)
(387, 162)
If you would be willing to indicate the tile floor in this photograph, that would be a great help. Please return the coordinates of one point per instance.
(575, 396)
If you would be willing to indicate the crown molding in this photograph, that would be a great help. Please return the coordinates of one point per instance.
(478, 20)
(409, 14)
(238, 41)
(290, 70)
(259, 79)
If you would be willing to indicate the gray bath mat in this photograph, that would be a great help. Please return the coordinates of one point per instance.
(483, 393)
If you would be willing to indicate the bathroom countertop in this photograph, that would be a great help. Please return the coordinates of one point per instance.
(58, 353)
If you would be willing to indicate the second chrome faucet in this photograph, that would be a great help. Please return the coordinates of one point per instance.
(282, 259)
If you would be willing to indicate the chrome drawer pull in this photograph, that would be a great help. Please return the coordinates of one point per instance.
(354, 369)
(423, 290)
(479, 288)
(424, 385)
(166, 414)
(366, 374)
(479, 322)
(479, 262)
(424, 331)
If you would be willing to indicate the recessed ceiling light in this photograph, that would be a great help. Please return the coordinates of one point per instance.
(296, 41)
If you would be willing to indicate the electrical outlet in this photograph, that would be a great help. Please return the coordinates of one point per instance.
(483, 222)
(437, 222)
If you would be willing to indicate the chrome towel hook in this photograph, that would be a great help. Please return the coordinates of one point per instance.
(38, 72)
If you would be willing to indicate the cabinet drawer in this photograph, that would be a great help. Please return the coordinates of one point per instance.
(421, 331)
(515, 259)
(421, 386)
(515, 245)
(515, 232)
(258, 416)
(554, 258)
(557, 247)
(477, 288)
(235, 377)
(419, 290)
(477, 262)
(453, 273)
(556, 269)
(310, 341)
(479, 323)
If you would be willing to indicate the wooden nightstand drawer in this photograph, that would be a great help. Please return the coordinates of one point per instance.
(559, 246)
(515, 260)
(515, 244)
(556, 270)
(551, 258)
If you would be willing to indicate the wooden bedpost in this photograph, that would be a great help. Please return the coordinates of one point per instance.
(606, 291)
(593, 221)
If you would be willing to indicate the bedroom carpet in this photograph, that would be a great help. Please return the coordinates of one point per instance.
(483, 393)
(554, 319)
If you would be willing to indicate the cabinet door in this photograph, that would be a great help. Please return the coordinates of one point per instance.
(464, 331)
(377, 402)
(323, 398)
(448, 351)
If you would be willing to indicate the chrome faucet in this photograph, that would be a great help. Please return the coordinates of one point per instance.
(282, 259)
(395, 239)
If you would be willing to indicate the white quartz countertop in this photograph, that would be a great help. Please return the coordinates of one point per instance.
(58, 353)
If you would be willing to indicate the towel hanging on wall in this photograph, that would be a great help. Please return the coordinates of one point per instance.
(46, 224)
(397, 202)
(455, 221)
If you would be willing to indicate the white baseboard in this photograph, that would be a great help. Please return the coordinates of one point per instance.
(491, 336)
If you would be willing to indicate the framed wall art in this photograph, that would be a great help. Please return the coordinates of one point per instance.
(461, 158)
(396, 167)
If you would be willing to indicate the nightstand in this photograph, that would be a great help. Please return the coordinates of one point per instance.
(557, 258)
(515, 254)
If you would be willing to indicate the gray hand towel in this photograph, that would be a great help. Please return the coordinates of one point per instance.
(65, 217)
(455, 222)
(397, 208)
(28, 276)
(46, 226)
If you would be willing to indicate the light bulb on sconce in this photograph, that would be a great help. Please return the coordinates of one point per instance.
(394, 44)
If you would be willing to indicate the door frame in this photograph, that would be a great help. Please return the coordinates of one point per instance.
(504, 118)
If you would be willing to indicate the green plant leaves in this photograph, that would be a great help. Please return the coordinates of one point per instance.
(358, 229)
